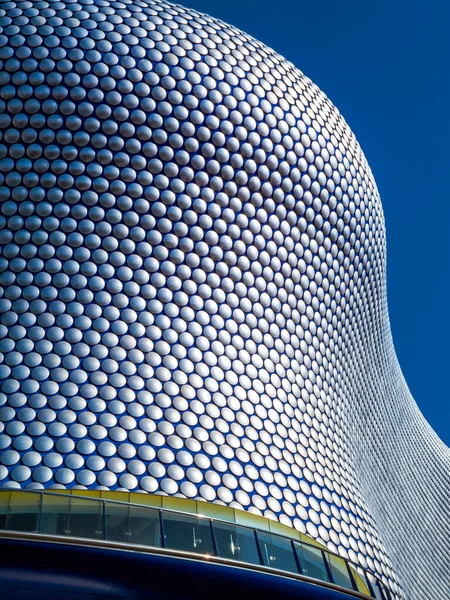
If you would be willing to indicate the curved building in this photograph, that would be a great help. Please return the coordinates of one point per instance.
(193, 287)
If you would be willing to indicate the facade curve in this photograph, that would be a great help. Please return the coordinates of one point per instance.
(193, 286)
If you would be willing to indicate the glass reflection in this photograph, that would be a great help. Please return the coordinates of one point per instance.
(236, 543)
(183, 532)
(311, 561)
(277, 552)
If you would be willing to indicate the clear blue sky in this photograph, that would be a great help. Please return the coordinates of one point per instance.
(385, 65)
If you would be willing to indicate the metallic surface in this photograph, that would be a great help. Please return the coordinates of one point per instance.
(193, 286)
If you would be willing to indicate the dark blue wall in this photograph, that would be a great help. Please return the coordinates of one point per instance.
(35, 570)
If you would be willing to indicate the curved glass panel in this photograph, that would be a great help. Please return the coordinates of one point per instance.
(73, 516)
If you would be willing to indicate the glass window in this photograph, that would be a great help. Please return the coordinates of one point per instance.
(22, 514)
(277, 552)
(4, 504)
(85, 518)
(378, 589)
(236, 543)
(73, 517)
(361, 581)
(311, 561)
(55, 514)
(184, 532)
(339, 571)
(132, 525)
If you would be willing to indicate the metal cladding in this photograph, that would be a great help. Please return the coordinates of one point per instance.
(193, 290)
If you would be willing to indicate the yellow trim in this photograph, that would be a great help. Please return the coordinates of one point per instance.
(216, 511)
(360, 583)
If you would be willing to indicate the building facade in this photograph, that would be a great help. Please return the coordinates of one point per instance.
(193, 286)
